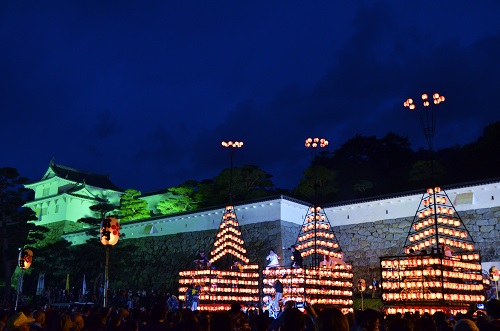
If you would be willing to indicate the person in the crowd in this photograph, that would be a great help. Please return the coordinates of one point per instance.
(196, 297)
(19, 322)
(332, 319)
(401, 324)
(293, 320)
(465, 324)
(297, 257)
(3, 319)
(367, 320)
(221, 321)
(278, 288)
(78, 321)
(273, 259)
(202, 261)
(156, 320)
(39, 323)
(493, 312)
(239, 319)
(375, 287)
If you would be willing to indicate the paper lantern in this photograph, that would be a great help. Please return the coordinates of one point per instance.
(110, 231)
(25, 258)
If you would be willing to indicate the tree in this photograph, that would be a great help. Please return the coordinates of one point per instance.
(131, 207)
(14, 221)
(103, 208)
(323, 178)
(248, 182)
(184, 197)
(368, 166)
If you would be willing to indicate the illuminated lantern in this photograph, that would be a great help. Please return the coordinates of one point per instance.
(110, 231)
(25, 258)
(361, 285)
(494, 274)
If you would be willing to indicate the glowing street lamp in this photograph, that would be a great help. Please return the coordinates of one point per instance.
(110, 233)
(314, 144)
(24, 262)
(427, 119)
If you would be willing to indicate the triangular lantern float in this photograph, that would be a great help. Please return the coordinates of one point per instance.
(237, 281)
(327, 280)
(439, 269)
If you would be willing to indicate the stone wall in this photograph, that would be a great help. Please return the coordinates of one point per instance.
(154, 262)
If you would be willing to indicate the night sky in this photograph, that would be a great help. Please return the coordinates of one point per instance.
(145, 91)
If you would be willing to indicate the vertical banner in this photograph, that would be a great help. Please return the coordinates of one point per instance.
(84, 286)
(20, 283)
(41, 284)
(67, 283)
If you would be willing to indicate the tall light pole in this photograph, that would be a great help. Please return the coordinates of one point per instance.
(314, 144)
(110, 233)
(231, 145)
(427, 122)
(427, 117)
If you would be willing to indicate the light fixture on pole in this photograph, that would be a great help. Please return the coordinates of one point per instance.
(24, 262)
(110, 233)
(361, 289)
(427, 122)
(314, 144)
(427, 116)
(495, 276)
(231, 145)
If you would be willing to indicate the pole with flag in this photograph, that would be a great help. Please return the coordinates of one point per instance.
(84, 286)
(67, 283)
(41, 284)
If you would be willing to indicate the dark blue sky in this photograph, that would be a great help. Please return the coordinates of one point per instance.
(146, 91)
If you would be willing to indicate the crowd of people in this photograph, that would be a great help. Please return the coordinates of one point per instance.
(161, 315)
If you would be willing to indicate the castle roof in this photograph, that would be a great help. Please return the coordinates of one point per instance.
(97, 180)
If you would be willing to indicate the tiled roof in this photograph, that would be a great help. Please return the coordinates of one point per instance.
(78, 176)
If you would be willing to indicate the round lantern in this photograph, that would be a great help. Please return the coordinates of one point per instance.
(494, 274)
(110, 231)
(361, 285)
(25, 258)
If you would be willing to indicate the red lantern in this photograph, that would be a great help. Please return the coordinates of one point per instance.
(25, 258)
(110, 231)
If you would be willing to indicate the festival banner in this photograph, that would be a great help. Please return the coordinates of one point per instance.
(84, 287)
(41, 284)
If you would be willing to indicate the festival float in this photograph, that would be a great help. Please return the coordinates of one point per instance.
(327, 281)
(439, 268)
(227, 277)
(220, 288)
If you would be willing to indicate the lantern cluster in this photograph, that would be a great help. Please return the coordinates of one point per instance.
(321, 286)
(228, 238)
(431, 275)
(235, 144)
(220, 288)
(315, 142)
(317, 235)
(436, 224)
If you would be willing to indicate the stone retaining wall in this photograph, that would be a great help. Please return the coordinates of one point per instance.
(156, 261)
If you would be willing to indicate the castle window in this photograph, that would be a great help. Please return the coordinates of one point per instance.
(44, 211)
(56, 209)
(46, 191)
